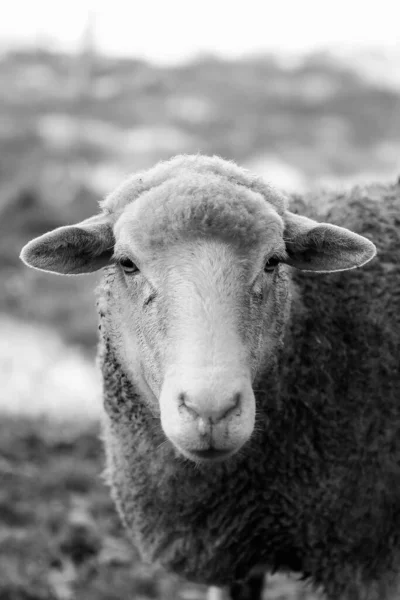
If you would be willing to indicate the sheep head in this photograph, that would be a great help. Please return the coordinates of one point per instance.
(200, 292)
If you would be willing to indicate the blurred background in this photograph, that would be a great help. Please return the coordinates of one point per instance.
(305, 94)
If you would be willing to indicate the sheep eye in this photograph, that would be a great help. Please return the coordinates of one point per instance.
(128, 266)
(271, 264)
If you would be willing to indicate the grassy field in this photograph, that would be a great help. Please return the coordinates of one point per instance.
(60, 537)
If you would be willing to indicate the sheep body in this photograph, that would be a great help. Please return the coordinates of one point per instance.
(318, 490)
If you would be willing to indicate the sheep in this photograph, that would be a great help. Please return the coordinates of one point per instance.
(250, 373)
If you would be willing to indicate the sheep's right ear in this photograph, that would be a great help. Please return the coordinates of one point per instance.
(81, 248)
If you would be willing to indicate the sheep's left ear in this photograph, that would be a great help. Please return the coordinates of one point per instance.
(313, 246)
(72, 250)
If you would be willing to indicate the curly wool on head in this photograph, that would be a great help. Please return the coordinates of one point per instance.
(191, 206)
(211, 168)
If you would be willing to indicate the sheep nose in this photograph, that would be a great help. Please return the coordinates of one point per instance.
(210, 409)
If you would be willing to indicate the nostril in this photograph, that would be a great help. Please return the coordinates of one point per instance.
(236, 400)
(186, 405)
(234, 406)
(227, 409)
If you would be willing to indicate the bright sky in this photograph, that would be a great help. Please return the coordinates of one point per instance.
(175, 30)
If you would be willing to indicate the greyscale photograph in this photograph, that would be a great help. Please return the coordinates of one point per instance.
(199, 300)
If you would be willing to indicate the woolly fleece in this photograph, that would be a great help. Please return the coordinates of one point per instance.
(318, 488)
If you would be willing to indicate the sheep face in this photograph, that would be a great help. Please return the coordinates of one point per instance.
(193, 325)
(198, 311)
(199, 295)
